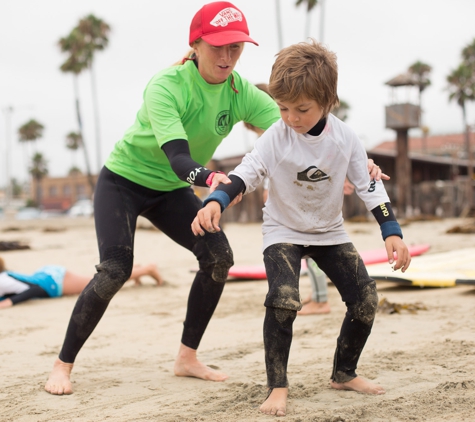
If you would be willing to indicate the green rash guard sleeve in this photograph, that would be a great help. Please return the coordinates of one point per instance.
(180, 104)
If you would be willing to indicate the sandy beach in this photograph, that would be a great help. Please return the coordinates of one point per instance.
(425, 360)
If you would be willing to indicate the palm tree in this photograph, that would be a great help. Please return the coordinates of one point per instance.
(311, 4)
(468, 54)
(76, 62)
(94, 33)
(30, 132)
(420, 73)
(73, 143)
(38, 170)
(462, 89)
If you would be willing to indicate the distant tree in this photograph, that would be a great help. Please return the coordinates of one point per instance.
(462, 90)
(342, 110)
(73, 143)
(74, 170)
(38, 170)
(77, 61)
(28, 133)
(468, 54)
(16, 188)
(420, 72)
(95, 33)
(311, 4)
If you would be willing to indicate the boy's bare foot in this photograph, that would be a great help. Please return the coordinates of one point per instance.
(187, 365)
(276, 402)
(359, 385)
(315, 308)
(59, 382)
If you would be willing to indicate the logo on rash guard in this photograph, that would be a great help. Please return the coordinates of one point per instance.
(312, 174)
(372, 186)
(222, 123)
(192, 177)
(228, 15)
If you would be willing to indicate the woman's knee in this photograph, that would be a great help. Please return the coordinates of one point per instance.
(114, 270)
(214, 255)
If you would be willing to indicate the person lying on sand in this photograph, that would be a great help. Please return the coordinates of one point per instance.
(54, 281)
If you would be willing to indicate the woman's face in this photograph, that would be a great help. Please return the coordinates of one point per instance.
(215, 64)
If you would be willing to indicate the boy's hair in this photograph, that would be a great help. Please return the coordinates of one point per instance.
(306, 69)
(2, 265)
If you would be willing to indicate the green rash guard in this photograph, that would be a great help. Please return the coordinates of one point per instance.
(180, 104)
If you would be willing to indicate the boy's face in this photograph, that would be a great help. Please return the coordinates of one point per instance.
(301, 115)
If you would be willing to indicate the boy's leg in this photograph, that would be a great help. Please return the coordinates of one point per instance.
(346, 269)
(282, 302)
(215, 257)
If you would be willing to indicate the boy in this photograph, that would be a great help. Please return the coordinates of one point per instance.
(307, 155)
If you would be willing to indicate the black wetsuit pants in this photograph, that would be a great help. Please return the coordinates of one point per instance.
(346, 270)
(117, 204)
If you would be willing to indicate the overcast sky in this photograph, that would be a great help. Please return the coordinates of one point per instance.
(375, 40)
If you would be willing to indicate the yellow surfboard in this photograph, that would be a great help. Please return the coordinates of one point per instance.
(443, 269)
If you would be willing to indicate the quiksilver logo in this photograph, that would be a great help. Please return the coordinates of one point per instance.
(312, 174)
(228, 15)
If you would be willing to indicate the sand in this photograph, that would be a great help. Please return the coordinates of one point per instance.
(425, 360)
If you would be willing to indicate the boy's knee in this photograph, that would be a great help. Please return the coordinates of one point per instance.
(283, 297)
(113, 272)
(214, 255)
(365, 309)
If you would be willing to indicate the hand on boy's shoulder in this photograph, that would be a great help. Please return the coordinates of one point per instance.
(403, 257)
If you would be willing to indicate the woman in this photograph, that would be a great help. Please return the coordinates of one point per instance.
(53, 281)
(187, 111)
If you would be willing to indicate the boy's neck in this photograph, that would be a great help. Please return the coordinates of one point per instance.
(318, 128)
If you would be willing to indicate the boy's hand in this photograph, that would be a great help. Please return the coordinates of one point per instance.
(395, 244)
(375, 171)
(207, 219)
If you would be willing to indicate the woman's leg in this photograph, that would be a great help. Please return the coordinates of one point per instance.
(215, 258)
(116, 206)
(347, 271)
(282, 302)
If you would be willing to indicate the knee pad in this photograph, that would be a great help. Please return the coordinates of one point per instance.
(113, 271)
(365, 309)
(214, 255)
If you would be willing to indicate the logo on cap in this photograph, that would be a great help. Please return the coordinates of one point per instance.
(225, 16)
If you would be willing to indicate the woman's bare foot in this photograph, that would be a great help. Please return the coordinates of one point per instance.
(59, 382)
(276, 402)
(187, 365)
(315, 308)
(359, 385)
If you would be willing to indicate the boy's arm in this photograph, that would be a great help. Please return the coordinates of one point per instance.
(208, 217)
(392, 236)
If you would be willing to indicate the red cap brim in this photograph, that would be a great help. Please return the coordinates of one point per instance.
(227, 37)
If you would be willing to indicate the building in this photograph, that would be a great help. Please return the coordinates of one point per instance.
(60, 193)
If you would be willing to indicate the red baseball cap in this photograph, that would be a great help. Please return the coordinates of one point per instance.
(220, 23)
